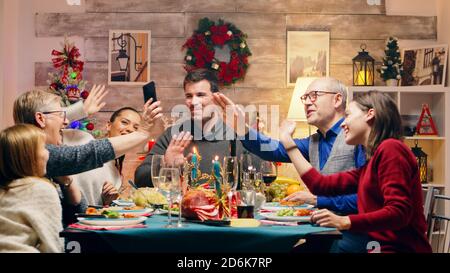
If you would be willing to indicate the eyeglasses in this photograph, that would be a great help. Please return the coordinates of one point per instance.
(53, 112)
(313, 95)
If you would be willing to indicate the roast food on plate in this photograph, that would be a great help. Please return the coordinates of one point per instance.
(200, 204)
(282, 187)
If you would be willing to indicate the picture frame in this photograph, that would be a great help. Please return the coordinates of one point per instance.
(308, 55)
(129, 57)
(424, 65)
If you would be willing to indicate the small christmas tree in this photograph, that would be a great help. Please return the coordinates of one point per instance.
(67, 82)
(392, 67)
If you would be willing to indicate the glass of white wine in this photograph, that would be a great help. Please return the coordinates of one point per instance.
(156, 166)
(169, 185)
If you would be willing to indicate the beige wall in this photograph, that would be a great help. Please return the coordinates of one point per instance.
(443, 7)
(21, 48)
(1, 64)
(412, 7)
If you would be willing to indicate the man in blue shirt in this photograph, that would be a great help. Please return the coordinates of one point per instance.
(324, 103)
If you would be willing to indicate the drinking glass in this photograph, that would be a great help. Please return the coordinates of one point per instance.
(230, 177)
(180, 189)
(156, 166)
(169, 185)
(246, 203)
(269, 172)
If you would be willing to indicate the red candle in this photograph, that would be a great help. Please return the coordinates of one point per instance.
(150, 144)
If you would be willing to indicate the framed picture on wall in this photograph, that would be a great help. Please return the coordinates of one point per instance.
(307, 54)
(129, 57)
(425, 65)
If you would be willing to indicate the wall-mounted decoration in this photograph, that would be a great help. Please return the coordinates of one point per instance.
(424, 65)
(129, 57)
(221, 47)
(307, 54)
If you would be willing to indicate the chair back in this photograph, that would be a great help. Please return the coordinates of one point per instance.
(438, 228)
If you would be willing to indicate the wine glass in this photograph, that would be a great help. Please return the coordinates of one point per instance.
(169, 184)
(156, 166)
(230, 177)
(269, 172)
(181, 188)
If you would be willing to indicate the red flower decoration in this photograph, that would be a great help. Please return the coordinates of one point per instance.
(219, 35)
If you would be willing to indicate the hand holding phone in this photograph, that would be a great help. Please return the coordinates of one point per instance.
(150, 92)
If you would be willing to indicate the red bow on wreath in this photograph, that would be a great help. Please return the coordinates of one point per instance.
(68, 58)
(219, 35)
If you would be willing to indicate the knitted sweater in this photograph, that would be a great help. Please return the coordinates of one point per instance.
(30, 217)
(91, 182)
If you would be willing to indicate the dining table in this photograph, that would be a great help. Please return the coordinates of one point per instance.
(197, 237)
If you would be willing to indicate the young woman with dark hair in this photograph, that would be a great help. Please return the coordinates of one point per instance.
(388, 187)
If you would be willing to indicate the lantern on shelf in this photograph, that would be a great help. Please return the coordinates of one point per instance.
(421, 157)
(363, 68)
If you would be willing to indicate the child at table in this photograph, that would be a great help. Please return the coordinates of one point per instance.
(388, 187)
(30, 210)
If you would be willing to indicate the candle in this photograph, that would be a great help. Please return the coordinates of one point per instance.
(194, 162)
(216, 167)
(151, 143)
(217, 176)
(361, 80)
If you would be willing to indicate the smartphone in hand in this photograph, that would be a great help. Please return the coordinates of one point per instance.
(150, 92)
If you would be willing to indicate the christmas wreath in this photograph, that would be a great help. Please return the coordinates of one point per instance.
(201, 50)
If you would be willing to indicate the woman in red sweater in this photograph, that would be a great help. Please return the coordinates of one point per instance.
(389, 191)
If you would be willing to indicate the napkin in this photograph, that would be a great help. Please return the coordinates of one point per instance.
(86, 227)
(278, 223)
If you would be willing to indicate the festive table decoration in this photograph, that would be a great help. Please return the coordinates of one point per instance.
(201, 50)
(206, 197)
(426, 125)
(392, 68)
(67, 82)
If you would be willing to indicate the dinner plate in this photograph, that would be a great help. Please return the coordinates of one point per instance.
(275, 206)
(123, 203)
(273, 216)
(135, 212)
(111, 221)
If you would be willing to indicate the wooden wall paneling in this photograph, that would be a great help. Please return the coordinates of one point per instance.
(367, 26)
(311, 6)
(161, 6)
(99, 24)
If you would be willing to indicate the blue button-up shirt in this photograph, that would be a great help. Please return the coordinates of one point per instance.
(272, 150)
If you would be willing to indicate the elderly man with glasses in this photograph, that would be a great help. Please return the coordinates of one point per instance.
(324, 103)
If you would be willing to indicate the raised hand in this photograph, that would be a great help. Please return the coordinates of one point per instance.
(233, 115)
(287, 129)
(175, 151)
(94, 103)
(150, 113)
